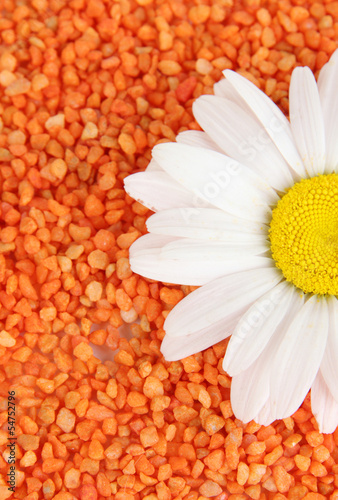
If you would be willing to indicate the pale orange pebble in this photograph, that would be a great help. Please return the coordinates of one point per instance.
(299, 14)
(320, 453)
(60, 379)
(270, 485)
(191, 364)
(292, 440)
(7, 247)
(71, 399)
(149, 436)
(47, 414)
(242, 473)
(124, 241)
(6, 340)
(48, 313)
(65, 420)
(303, 463)
(282, 479)
(226, 409)
(89, 465)
(98, 259)
(96, 450)
(127, 143)
(94, 291)
(51, 465)
(93, 206)
(47, 386)
(263, 16)
(5, 155)
(28, 459)
(215, 460)
(83, 351)
(72, 478)
(145, 369)
(7, 78)
(114, 451)
(16, 137)
(99, 413)
(203, 66)
(257, 471)
(199, 14)
(18, 87)
(123, 269)
(28, 442)
(213, 424)
(39, 82)
(267, 67)
(79, 233)
(111, 388)
(152, 387)
(63, 495)
(28, 425)
(129, 316)
(287, 62)
(255, 448)
(165, 40)
(160, 403)
(271, 458)
(82, 407)
(58, 168)
(268, 37)
(8, 61)
(5, 492)
(90, 131)
(169, 68)
(123, 300)
(210, 489)
(55, 121)
(218, 13)
(124, 358)
(232, 455)
(314, 438)
(286, 22)
(317, 469)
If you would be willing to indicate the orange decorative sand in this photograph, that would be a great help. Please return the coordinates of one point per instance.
(87, 88)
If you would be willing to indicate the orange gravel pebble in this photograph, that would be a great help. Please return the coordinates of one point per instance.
(87, 88)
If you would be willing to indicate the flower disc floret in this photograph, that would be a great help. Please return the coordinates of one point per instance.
(304, 235)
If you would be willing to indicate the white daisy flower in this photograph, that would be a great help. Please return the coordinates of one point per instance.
(248, 210)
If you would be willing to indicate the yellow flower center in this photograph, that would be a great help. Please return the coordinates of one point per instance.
(304, 235)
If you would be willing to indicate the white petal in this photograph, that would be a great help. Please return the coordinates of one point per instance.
(306, 119)
(242, 137)
(266, 415)
(174, 348)
(224, 89)
(257, 326)
(324, 406)
(298, 357)
(209, 224)
(158, 191)
(197, 138)
(327, 86)
(153, 166)
(273, 120)
(188, 262)
(217, 179)
(217, 251)
(250, 389)
(329, 366)
(217, 300)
